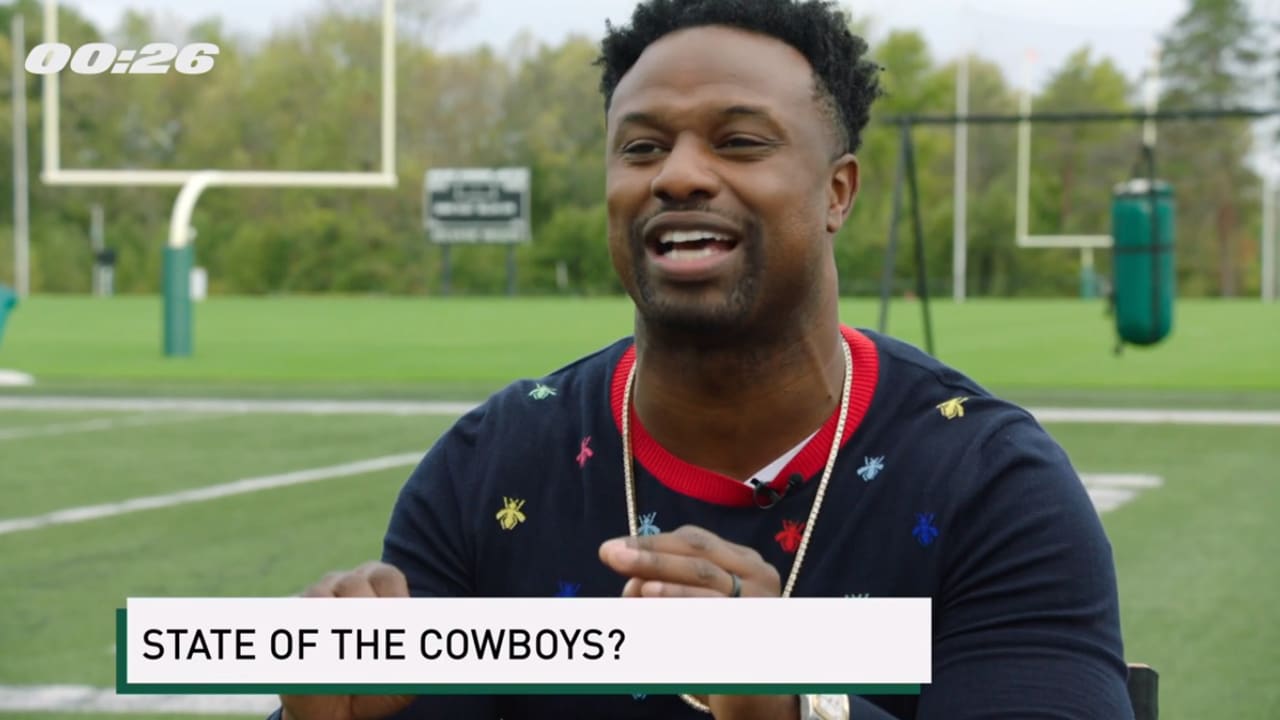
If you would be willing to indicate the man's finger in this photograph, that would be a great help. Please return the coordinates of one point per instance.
(690, 541)
(353, 585)
(680, 569)
(324, 588)
(386, 581)
(639, 587)
(658, 588)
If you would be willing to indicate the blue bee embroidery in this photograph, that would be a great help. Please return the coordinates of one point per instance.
(924, 532)
(871, 467)
(646, 525)
(638, 696)
(542, 392)
(568, 589)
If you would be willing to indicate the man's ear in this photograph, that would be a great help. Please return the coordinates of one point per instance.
(842, 189)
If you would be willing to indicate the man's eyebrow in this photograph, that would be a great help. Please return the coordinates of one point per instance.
(751, 111)
(650, 119)
(639, 118)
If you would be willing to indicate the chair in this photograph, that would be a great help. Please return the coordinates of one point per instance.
(1144, 691)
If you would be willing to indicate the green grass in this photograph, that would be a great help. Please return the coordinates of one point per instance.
(1196, 560)
(58, 627)
(204, 450)
(1060, 351)
(86, 716)
(91, 716)
(29, 421)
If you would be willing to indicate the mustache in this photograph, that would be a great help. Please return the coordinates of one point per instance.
(747, 225)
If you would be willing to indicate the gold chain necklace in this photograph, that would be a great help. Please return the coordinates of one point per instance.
(629, 476)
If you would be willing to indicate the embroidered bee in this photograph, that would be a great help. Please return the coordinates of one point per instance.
(924, 532)
(953, 408)
(871, 468)
(542, 392)
(584, 452)
(510, 515)
(646, 525)
(568, 589)
(791, 535)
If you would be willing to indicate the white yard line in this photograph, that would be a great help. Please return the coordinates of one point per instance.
(232, 405)
(238, 487)
(81, 698)
(1259, 418)
(95, 425)
(1109, 491)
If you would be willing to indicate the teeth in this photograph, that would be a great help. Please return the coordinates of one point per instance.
(681, 254)
(675, 237)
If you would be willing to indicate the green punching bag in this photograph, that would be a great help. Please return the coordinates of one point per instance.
(1142, 222)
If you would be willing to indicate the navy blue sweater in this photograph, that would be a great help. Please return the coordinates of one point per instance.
(940, 490)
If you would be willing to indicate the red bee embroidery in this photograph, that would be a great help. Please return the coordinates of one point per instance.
(790, 536)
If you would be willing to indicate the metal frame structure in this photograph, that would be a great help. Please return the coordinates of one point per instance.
(907, 175)
(178, 255)
(21, 196)
(1087, 244)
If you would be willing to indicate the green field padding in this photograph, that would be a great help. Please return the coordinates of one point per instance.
(1145, 284)
(8, 301)
(177, 301)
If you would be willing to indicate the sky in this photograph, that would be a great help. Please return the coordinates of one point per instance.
(1002, 30)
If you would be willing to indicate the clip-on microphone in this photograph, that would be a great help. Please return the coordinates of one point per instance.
(766, 497)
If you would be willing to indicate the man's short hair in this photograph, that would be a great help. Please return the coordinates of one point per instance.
(846, 81)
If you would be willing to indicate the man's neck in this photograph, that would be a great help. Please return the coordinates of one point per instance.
(735, 410)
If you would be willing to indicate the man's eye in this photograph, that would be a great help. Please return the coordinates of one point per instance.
(640, 148)
(742, 142)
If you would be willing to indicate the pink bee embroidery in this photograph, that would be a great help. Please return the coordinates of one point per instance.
(585, 452)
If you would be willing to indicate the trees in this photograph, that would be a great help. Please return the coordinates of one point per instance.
(1211, 59)
(306, 98)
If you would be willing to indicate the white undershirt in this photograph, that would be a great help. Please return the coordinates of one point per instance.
(767, 474)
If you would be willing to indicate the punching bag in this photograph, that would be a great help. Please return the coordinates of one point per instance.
(1143, 282)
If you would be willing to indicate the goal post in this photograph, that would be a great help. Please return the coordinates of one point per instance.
(177, 330)
(1086, 244)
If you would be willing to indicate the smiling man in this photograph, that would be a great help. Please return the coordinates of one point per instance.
(745, 442)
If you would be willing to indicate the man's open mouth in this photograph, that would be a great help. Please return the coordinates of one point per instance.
(693, 244)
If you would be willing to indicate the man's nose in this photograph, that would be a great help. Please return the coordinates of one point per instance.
(687, 173)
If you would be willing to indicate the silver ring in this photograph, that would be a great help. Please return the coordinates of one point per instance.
(737, 586)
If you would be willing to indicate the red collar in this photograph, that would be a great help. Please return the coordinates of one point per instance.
(713, 487)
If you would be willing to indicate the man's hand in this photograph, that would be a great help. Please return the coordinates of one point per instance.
(689, 562)
(371, 580)
(692, 562)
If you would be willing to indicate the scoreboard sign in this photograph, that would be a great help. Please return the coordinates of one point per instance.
(477, 205)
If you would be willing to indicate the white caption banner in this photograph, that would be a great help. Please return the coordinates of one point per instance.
(523, 641)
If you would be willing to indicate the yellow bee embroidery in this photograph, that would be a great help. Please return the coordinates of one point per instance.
(953, 408)
(510, 516)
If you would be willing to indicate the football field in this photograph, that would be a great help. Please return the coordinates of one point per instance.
(126, 474)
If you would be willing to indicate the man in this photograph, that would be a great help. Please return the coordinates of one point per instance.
(796, 456)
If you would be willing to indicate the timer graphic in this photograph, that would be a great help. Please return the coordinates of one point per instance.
(122, 62)
(98, 58)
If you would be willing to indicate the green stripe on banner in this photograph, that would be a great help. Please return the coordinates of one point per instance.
(125, 688)
(122, 642)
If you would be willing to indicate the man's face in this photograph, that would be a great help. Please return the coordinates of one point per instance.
(720, 180)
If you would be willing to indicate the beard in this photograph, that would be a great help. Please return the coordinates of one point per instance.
(700, 319)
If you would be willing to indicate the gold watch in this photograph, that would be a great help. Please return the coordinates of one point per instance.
(824, 707)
